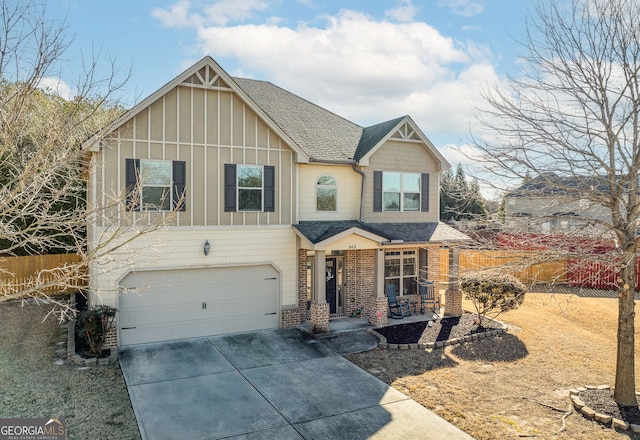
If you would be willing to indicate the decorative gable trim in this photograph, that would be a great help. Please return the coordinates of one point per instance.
(406, 130)
(206, 73)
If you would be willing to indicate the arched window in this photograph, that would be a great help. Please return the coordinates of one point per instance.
(326, 194)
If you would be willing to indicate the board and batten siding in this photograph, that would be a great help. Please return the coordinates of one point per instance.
(180, 248)
(206, 128)
(348, 192)
(405, 156)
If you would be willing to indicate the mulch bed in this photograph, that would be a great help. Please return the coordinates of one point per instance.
(442, 330)
(601, 401)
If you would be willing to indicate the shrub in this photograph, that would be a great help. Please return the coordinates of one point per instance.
(94, 324)
(492, 291)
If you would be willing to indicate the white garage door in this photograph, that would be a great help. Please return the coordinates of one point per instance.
(175, 304)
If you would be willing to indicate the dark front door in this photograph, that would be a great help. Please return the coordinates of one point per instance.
(332, 276)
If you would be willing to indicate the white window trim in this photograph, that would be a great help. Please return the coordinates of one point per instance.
(143, 206)
(402, 192)
(410, 253)
(238, 188)
(334, 187)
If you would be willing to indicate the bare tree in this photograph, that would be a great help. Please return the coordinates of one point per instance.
(573, 121)
(43, 206)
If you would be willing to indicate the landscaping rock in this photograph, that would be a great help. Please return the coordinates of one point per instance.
(634, 428)
(603, 418)
(588, 412)
(620, 424)
(577, 402)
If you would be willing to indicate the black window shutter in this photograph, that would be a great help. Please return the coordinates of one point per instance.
(179, 184)
(229, 187)
(132, 171)
(377, 191)
(269, 184)
(424, 183)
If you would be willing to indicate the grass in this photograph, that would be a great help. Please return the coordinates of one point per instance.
(516, 385)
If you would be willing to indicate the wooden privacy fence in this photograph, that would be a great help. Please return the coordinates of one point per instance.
(519, 263)
(20, 273)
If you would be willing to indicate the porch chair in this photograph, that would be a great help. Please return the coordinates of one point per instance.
(428, 296)
(398, 309)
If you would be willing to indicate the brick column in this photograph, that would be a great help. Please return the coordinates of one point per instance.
(320, 317)
(377, 310)
(433, 267)
(453, 295)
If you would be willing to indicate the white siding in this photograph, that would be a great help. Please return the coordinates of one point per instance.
(348, 184)
(182, 248)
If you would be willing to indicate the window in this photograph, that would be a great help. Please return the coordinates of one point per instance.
(400, 191)
(326, 194)
(249, 188)
(155, 185)
(401, 270)
(155, 177)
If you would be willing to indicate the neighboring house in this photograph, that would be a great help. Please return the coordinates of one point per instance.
(553, 204)
(304, 214)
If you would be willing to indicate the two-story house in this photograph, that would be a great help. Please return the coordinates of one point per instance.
(553, 204)
(274, 210)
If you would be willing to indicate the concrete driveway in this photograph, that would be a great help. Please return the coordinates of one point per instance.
(278, 384)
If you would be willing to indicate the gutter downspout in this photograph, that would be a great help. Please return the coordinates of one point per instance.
(354, 165)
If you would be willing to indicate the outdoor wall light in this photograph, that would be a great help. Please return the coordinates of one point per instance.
(207, 247)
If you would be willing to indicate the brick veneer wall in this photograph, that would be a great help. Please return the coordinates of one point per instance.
(293, 316)
(359, 280)
(433, 266)
(111, 338)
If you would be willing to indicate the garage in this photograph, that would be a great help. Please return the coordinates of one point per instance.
(163, 305)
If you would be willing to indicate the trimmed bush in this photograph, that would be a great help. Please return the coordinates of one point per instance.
(94, 324)
(492, 292)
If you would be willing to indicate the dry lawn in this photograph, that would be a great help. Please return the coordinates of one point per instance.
(515, 385)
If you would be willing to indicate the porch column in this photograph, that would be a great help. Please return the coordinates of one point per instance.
(319, 307)
(378, 316)
(453, 295)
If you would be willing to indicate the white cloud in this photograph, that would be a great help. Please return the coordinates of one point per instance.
(364, 69)
(405, 12)
(55, 85)
(218, 13)
(466, 8)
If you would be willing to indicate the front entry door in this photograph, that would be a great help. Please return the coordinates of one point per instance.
(332, 277)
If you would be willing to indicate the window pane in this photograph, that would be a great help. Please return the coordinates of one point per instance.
(326, 180)
(392, 267)
(326, 199)
(156, 198)
(411, 183)
(408, 266)
(411, 202)
(155, 172)
(395, 282)
(409, 286)
(391, 182)
(392, 201)
(250, 200)
(249, 176)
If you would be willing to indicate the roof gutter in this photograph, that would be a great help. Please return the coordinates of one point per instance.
(331, 162)
(354, 166)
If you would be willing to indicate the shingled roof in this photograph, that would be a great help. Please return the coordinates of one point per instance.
(317, 231)
(323, 135)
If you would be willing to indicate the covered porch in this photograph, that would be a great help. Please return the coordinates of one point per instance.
(343, 268)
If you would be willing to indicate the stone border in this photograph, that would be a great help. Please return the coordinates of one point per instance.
(591, 414)
(71, 346)
(439, 344)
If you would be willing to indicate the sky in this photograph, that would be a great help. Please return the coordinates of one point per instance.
(366, 60)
